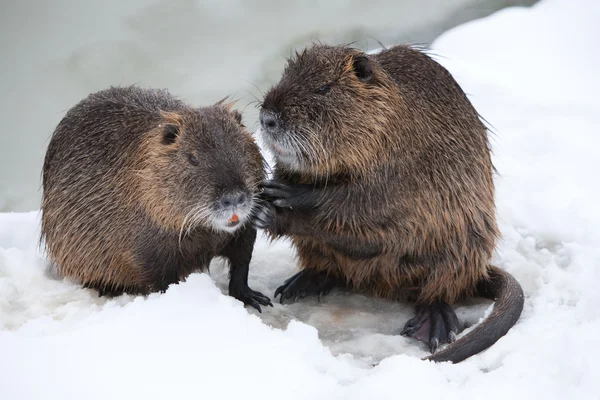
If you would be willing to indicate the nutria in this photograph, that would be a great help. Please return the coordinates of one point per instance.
(383, 182)
(140, 190)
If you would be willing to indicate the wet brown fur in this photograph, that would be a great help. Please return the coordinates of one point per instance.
(115, 198)
(407, 166)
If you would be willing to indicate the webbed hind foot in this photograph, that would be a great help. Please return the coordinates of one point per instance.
(434, 324)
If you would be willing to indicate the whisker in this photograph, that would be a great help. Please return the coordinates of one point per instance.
(187, 220)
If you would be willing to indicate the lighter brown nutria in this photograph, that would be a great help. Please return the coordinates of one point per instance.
(140, 190)
(383, 182)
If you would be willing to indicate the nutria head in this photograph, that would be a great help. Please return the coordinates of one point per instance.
(331, 112)
(200, 167)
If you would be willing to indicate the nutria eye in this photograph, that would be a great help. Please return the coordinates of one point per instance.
(324, 89)
(193, 159)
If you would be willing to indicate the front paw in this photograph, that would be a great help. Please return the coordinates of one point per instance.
(287, 195)
(249, 297)
(277, 193)
(263, 215)
(305, 283)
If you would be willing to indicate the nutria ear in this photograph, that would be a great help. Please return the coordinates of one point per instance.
(361, 65)
(238, 117)
(170, 133)
(171, 127)
(228, 107)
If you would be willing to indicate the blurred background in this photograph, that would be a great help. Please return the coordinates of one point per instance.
(55, 53)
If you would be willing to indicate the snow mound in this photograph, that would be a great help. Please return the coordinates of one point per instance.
(532, 74)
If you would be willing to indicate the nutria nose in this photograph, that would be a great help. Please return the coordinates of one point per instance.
(268, 120)
(233, 200)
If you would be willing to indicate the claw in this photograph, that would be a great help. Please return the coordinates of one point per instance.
(407, 331)
(280, 203)
(249, 297)
(265, 301)
(288, 195)
(274, 190)
(433, 345)
(275, 193)
(452, 337)
(274, 184)
(279, 290)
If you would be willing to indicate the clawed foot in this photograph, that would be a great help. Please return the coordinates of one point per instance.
(249, 297)
(282, 194)
(305, 283)
(277, 195)
(434, 324)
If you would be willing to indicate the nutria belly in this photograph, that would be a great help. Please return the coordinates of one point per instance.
(323, 268)
(389, 275)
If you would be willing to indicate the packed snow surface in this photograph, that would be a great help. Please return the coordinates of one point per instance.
(533, 75)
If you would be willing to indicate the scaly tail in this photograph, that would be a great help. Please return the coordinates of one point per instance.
(508, 295)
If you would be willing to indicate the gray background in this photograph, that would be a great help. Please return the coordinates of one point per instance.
(55, 53)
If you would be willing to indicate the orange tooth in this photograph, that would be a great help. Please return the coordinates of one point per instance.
(234, 218)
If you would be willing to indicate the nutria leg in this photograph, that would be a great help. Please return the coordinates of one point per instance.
(239, 289)
(434, 324)
(306, 283)
(239, 253)
(170, 277)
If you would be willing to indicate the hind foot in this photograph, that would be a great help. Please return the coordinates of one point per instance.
(305, 283)
(434, 324)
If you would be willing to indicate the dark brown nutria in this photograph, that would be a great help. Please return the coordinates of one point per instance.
(140, 190)
(383, 182)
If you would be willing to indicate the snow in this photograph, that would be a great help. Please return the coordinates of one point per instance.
(532, 73)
